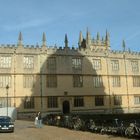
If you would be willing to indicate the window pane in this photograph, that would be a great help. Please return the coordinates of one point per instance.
(51, 81)
(97, 64)
(136, 99)
(28, 62)
(5, 80)
(3, 102)
(51, 64)
(5, 62)
(29, 103)
(116, 81)
(115, 65)
(77, 81)
(78, 101)
(52, 102)
(99, 100)
(136, 81)
(117, 100)
(28, 81)
(135, 66)
(97, 81)
(77, 64)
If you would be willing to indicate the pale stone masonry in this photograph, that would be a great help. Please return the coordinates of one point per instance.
(89, 79)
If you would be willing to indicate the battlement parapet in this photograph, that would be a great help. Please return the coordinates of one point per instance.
(8, 46)
(127, 54)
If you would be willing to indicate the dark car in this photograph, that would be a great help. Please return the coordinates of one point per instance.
(6, 124)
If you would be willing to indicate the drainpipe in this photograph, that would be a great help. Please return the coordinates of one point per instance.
(110, 102)
(126, 81)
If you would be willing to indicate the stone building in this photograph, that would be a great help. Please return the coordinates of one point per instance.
(89, 79)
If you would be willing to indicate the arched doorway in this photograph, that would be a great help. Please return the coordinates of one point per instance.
(66, 107)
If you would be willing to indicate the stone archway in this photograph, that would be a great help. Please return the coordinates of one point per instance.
(66, 107)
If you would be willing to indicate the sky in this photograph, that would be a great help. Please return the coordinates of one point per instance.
(121, 18)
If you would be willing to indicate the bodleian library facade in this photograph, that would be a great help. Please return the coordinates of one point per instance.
(90, 78)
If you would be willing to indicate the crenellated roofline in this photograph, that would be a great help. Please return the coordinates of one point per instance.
(86, 45)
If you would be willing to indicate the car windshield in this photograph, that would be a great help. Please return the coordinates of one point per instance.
(4, 119)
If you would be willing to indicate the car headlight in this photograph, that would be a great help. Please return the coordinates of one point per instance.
(0, 125)
(11, 125)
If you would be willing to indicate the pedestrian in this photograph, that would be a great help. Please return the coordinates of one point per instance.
(36, 120)
(39, 120)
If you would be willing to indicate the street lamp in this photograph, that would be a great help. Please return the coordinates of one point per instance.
(7, 87)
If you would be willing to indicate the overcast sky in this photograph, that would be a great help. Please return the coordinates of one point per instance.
(57, 17)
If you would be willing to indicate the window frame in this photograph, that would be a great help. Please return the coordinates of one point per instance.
(28, 81)
(5, 80)
(97, 81)
(136, 100)
(77, 64)
(52, 102)
(29, 102)
(78, 101)
(77, 81)
(115, 65)
(116, 81)
(51, 64)
(117, 100)
(28, 62)
(51, 81)
(5, 64)
(135, 68)
(97, 64)
(136, 81)
(99, 100)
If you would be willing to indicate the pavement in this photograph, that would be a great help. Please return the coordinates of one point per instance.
(26, 130)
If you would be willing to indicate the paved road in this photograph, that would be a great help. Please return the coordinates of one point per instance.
(25, 130)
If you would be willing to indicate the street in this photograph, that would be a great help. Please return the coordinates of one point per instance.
(25, 130)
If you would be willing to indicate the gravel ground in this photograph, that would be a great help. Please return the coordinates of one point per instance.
(25, 130)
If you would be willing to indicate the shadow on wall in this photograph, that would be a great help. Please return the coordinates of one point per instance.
(67, 83)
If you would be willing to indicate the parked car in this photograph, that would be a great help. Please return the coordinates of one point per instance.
(6, 124)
